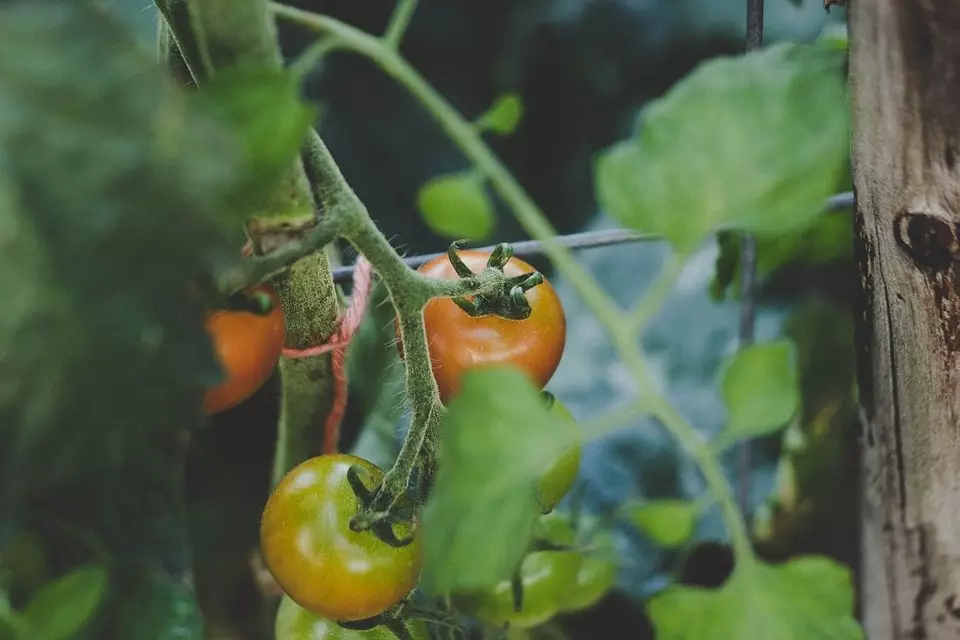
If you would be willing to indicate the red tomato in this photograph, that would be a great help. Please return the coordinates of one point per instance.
(317, 559)
(459, 342)
(248, 347)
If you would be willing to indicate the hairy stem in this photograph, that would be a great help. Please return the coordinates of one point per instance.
(177, 26)
(410, 291)
(224, 33)
(345, 215)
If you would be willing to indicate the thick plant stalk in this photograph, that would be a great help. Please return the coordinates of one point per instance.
(230, 32)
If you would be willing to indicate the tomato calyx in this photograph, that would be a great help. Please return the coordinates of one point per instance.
(380, 522)
(396, 618)
(510, 302)
(396, 626)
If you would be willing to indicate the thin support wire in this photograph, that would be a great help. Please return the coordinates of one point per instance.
(748, 275)
(585, 240)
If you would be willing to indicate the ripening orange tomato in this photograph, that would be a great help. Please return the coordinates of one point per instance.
(323, 565)
(248, 346)
(459, 342)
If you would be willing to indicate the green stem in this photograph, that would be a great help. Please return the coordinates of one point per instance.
(177, 23)
(222, 34)
(693, 443)
(466, 137)
(399, 22)
(652, 300)
(410, 291)
(259, 268)
(618, 327)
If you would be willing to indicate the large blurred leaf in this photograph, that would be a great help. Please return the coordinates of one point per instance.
(498, 440)
(760, 389)
(64, 606)
(808, 598)
(669, 523)
(828, 239)
(755, 142)
(111, 178)
(263, 106)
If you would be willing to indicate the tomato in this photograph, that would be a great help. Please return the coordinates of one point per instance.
(295, 623)
(597, 574)
(459, 342)
(323, 565)
(559, 478)
(555, 528)
(248, 347)
(596, 577)
(546, 576)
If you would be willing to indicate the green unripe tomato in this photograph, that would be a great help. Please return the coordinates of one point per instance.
(546, 575)
(559, 478)
(295, 623)
(556, 528)
(596, 577)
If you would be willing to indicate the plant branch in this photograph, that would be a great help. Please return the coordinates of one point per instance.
(347, 216)
(472, 145)
(535, 223)
(221, 34)
(399, 22)
(259, 268)
(176, 22)
(694, 444)
(410, 291)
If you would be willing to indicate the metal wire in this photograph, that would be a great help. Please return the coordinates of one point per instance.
(578, 241)
(748, 275)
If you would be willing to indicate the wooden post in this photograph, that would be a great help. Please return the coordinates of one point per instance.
(905, 95)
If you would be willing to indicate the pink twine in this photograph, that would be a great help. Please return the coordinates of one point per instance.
(336, 346)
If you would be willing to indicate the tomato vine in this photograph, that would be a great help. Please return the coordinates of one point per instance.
(288, 236)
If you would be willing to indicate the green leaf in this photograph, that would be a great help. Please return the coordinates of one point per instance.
(754, 142)
(158, 606)
(834, 35)
(669, 523)
(503, 116)
(807, 598)
(111, 184)
(761, 390)
(25, 563)
(828, 239)
(498, 439)
(263, 107)
(457, 206)
(63, 607)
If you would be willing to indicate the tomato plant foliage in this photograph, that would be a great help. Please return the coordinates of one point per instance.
(457, 206)
(760, 389)
(808, 598)
(499, 439)
(113, 180)
(772, 123)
